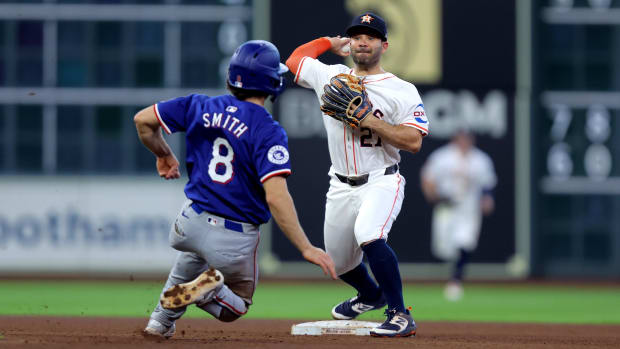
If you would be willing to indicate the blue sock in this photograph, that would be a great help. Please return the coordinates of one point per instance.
(459, 267)
(360, 280)
(384, 266)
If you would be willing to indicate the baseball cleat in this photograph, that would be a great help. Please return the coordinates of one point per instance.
(156, 329)
(353, 307)
(398, 324)
(200, 290)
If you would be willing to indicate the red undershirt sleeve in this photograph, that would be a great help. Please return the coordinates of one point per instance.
(312, 49)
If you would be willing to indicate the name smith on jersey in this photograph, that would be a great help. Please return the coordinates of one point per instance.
(230, 123)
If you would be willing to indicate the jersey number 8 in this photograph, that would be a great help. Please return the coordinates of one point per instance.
(220, 160)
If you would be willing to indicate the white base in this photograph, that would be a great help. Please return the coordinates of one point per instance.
(319, 328)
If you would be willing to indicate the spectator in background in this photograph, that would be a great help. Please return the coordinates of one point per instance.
(458, 180)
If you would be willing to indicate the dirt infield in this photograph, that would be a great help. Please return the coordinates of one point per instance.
(58, 332)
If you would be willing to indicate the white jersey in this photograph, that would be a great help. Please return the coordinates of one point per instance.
(359, 151)
(460, 179)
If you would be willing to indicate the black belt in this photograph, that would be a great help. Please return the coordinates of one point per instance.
(355, 181)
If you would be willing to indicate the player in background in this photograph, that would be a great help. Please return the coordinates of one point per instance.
(458, 179)
(366, 189)
(237, 161)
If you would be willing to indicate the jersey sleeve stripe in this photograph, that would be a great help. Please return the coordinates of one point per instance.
(161, 122)
(410, 124)
(301, 65)
(275, 173)
(392, 209)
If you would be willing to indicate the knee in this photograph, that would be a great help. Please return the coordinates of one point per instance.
(347, 266)
(227, 315)
(345, 261)
(367, 242)
(365, 233)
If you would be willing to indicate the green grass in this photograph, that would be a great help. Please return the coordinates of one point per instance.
(313, 301)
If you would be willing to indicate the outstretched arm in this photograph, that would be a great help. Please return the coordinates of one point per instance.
(150, 135)
(283, 210)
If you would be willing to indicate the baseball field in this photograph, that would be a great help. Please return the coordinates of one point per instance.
(500, 315)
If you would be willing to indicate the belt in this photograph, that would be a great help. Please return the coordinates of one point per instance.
(355, 181)
(228, 224)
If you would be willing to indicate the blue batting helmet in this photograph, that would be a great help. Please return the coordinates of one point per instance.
(256, 66)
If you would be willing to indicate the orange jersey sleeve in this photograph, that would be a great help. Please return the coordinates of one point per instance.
(312, 49)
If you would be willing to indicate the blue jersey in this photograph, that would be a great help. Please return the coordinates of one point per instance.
(233, 147)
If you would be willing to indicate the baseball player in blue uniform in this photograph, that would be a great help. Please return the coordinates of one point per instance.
(237, 163)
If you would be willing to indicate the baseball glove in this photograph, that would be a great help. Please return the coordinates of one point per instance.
(345, 99)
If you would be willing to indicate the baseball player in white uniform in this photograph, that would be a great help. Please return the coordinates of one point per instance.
(366, 189)
(458, 178)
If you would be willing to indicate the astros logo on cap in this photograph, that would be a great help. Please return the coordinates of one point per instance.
(366, 18)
